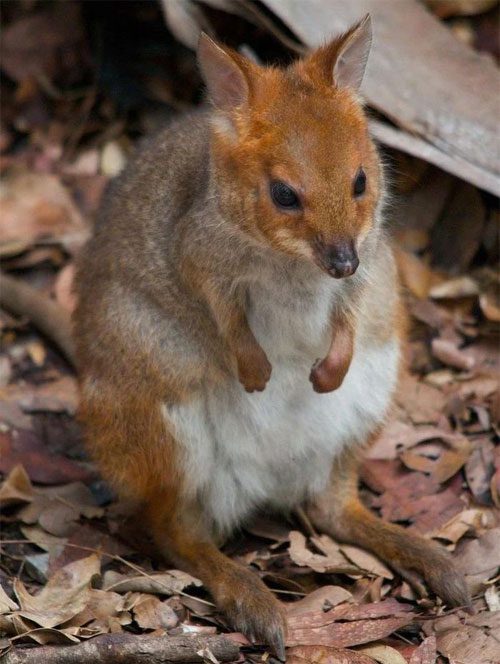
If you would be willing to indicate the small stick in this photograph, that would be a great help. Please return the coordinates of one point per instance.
(129, 649)
(48, 316)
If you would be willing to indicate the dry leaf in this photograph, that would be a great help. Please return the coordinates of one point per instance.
(64, 596)
(447, 353)
(479, 470)
(454, 288)
(480, 557)
(467, 639)
(347, 625)
(17, 487)
(323, 599)
(37, 206)
(441, 459)
(325, 655)
(7, 605)
(425, 653)
(492, 598)
(459, 525)
(383, 654)
(158, 583)
(416, 275)
(152, 613)
(57, 509)
(366, 561)
(330, 561)
(489, 307)
(424, 404)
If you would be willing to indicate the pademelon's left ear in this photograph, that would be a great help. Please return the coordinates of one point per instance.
(225, 73)
(350, 65)
(343, 61)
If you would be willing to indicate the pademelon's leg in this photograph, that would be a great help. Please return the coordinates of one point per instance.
(339, 512)
(238, 592)
(128, 437)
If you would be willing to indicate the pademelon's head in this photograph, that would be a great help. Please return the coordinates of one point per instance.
(290, 148)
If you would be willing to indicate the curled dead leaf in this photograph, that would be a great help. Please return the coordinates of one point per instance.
(442, 458)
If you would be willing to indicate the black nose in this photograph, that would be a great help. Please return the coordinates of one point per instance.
(342, 260)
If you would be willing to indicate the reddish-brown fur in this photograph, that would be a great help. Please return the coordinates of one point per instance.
(142, 283)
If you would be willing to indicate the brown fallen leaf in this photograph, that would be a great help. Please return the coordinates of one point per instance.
(480, 557)
(479, 470)
(492, 598)
(57, 509)
(366, 561)
(323, 598)
(16, 488)
(104, 613)
(490, 307)
(447, 353)
(44, 540)
(329, 561)
(157, 583)
(425, 653)
(467, 639)
(415, 274)
(151, 613)
(423, 404)
(442, 458)
(325, 655)
(65, 595)
(43, 43)
(27, 448)
(37, 206)
(383, 654)
(394, 436)
(461, 524)
(348, 625)
(7, 605)
(83, 537)
(463, 286)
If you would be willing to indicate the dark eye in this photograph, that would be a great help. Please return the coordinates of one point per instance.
(359, 185)
(284, 196)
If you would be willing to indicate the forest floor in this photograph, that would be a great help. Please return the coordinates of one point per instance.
(72, 566)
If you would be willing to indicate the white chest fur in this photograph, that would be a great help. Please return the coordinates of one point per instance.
(242, 451)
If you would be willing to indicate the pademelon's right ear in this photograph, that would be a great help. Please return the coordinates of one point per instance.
(224, 73)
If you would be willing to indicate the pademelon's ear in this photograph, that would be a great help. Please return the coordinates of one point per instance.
(224, 74)
(343, 61)
(350, 65)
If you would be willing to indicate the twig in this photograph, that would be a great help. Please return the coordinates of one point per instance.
(48, 316)
(128, 649)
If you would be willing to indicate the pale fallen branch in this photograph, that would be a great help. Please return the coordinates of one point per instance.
(128, 649)
(48, 316)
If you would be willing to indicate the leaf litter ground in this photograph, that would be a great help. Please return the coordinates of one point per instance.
(75, 565)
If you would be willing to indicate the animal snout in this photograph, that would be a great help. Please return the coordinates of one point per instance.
(341, 260)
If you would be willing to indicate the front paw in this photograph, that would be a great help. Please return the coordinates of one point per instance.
(327, 375)
(254, 370)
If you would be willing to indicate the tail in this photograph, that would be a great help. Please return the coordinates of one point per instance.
(49, 317)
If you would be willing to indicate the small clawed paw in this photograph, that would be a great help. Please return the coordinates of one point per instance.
(325, 377)
(254, 375)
